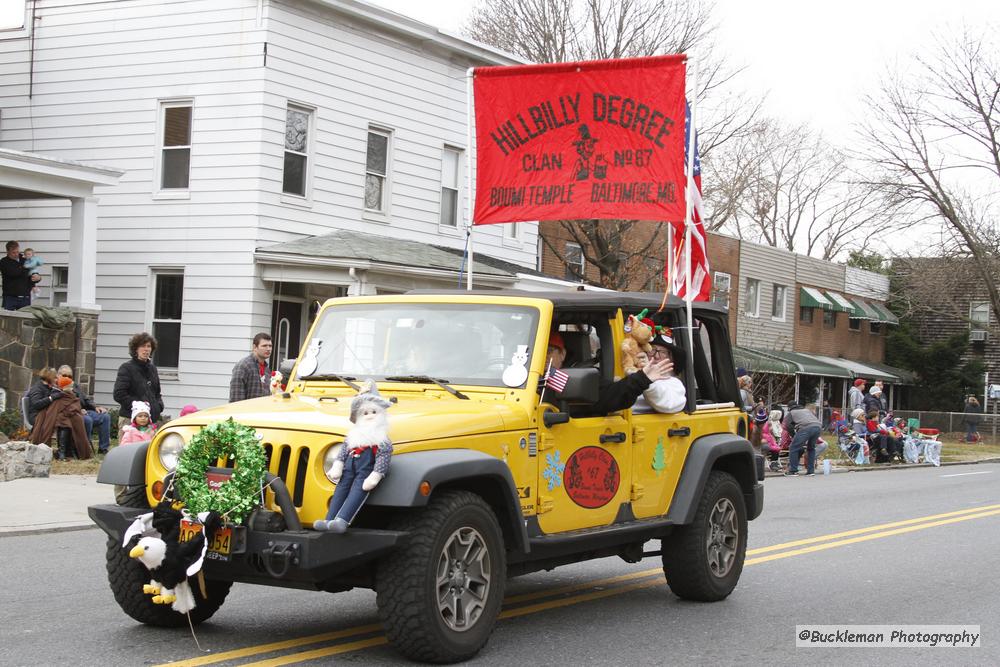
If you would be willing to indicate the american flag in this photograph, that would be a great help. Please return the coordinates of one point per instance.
(701, 284)
(556, 380)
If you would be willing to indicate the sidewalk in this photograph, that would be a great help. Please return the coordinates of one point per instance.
(49, 504)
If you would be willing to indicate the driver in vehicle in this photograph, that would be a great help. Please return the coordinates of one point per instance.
(620, 394)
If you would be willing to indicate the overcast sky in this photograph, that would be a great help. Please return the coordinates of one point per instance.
(815, 60)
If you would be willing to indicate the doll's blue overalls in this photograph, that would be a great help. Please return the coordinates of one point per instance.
(348, 497)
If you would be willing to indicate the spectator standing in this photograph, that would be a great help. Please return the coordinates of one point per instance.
(17, 278)
(873, 403)
(856, 396)
(746, 393)
(973, 413)
(138, 379)
(804, 427)
(93, 415)
(883, 396)
(141, 429)
(250, 377)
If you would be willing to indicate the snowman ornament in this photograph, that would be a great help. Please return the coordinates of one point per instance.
(517, 372)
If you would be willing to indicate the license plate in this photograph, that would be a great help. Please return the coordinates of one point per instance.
(221, 545)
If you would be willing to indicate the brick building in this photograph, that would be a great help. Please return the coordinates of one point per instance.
(803, 327)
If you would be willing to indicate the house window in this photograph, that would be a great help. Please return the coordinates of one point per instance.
(539, 249)
(168, 300)
(830, 319)
(778, 303)
(175, 145)
(377, 170)
(854, 324)
(60, 285)
(721, 284)
(450, 161)
(979, 314)
(874, 328)
(574, 261)
(298, 124)
(752, 304)
(512, 231)
(805, 314)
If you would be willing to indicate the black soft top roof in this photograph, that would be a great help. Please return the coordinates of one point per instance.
(631, 302)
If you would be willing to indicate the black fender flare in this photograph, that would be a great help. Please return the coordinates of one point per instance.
(124, 465)
(466, 469)
(719, 451)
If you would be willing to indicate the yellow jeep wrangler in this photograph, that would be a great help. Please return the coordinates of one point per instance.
(491, 475)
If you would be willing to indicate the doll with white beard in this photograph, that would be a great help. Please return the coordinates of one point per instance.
(362, 462)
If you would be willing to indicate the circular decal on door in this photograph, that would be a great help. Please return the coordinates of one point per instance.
(591, 477)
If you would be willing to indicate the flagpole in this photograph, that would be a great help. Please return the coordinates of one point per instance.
(688, 216)
(469, 74)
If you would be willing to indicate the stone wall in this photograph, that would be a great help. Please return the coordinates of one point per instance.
(26, 347)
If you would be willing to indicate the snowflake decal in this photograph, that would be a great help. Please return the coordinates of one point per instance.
(553, 470)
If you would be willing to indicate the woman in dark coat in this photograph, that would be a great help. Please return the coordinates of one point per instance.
(53, 410)
(973, 413)
(137, 378)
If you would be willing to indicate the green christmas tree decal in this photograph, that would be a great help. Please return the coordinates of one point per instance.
(658, 462)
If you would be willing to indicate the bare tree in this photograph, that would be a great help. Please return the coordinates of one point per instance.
(786, 187)
(934, 138)
(567, 30)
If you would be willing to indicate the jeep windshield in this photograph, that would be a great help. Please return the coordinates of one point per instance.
(469, 344)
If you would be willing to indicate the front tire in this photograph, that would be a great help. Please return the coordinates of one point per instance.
(703, 561)
(127, 576)
(439, 595)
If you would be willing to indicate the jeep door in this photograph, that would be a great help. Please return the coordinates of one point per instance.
(584, 473)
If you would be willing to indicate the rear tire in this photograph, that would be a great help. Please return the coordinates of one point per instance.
(439, 595)
(703, 561)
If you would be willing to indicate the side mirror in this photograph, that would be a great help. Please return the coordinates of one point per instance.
(583, 386)
(285, 368)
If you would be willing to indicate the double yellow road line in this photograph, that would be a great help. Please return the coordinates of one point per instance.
(365, 636)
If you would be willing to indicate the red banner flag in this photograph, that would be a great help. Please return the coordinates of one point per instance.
(602, 139)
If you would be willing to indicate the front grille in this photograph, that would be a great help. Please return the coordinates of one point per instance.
(290, 456)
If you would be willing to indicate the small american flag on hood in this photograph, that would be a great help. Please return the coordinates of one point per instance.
(556, 380)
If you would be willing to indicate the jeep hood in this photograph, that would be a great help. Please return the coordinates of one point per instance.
(411, 419)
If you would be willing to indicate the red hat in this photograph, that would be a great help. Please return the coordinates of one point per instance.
(859, 382)
(555, 340)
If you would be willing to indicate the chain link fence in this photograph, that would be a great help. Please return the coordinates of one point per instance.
(953, 424)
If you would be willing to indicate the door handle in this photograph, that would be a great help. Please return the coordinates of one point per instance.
(612, 437)
(682, 432)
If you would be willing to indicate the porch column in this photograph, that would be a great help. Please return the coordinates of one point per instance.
(82, 288)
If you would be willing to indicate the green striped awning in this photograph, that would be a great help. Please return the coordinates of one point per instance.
(870, 313)
(840, 302)
(885, 315)
(752, 360)
(859, 310)
(810, 297)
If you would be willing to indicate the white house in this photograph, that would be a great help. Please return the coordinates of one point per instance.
(274, 153)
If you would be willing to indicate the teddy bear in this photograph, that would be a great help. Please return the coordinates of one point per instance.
(639, 330)
(277, 384)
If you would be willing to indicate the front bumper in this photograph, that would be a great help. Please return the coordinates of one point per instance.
(295, 559)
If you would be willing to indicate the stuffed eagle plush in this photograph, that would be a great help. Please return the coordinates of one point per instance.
(170, 562)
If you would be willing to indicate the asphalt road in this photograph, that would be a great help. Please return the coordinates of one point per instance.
(917, 567)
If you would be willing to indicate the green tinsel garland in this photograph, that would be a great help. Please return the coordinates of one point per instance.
(228, 440)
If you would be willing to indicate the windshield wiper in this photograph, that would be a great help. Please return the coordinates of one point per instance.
(346, 379)
(427, 378)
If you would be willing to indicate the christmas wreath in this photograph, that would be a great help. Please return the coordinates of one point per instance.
(236, 497)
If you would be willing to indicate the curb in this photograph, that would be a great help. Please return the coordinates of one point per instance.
(40, 531)
(896, 466)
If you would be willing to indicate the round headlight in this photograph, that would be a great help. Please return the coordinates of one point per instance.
(170, 450)
(331, 456)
